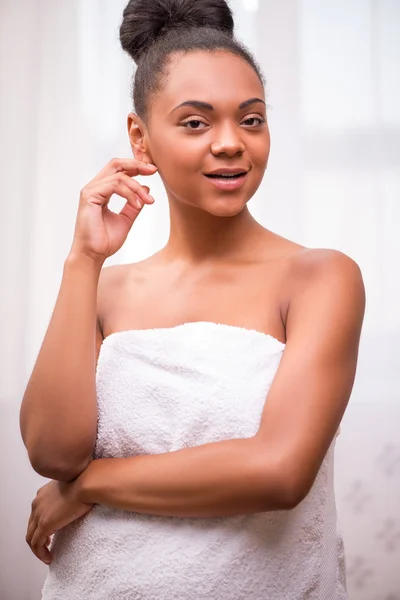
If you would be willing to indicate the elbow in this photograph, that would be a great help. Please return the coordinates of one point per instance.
(52, 467)
(58, 472)
(53, 459)
(284, 490)
(295, 487)
(292, 493)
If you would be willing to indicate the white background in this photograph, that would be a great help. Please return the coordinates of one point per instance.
(332, 70)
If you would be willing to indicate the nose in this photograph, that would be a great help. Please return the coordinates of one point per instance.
(227, 142)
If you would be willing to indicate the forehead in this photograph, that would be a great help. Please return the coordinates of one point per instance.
(219, 78)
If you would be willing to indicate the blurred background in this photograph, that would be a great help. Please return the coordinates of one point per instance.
(333, 85)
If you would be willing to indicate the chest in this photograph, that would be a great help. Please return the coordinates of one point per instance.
(245, 297)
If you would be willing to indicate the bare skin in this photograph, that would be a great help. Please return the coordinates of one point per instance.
(221, 265)
(129, 295)
(208, 260)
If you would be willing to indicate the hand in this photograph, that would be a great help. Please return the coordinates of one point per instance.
(55, 506)
(99, 232)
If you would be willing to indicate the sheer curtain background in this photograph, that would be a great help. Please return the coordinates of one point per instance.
(332, 69)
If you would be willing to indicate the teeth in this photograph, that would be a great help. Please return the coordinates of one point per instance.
(227, 176)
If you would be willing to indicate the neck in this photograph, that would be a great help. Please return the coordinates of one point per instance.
(198, 237)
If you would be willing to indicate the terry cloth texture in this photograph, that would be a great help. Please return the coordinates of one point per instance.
(165, 389)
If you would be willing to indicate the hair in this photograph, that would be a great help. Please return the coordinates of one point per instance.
(153, 30)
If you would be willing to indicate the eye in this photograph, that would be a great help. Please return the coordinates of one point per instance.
(253, 121)
(193, 124)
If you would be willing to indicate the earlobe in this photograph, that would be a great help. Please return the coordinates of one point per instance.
(137, 138)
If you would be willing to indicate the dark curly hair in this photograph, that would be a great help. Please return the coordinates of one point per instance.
(152, 30)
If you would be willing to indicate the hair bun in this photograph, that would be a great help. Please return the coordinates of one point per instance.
(146, 20)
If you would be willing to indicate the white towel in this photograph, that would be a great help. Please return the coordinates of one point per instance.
(165, 389)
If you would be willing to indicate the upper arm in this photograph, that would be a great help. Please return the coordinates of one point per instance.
(312, 386)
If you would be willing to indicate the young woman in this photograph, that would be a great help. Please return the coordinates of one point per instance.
(208, 381)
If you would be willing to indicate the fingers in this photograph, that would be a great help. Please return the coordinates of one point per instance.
(120, 184)
(39, 536)
(131, 208)
(148, 199)
(130, 166)
(39, 545)
(100, 232)
(38, 540)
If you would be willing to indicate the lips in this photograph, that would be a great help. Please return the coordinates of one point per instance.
(227, 182)
(227, 173)
(224, 176)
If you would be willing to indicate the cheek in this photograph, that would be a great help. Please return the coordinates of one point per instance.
(179, 166)
(260, 150)
(259, 154)
(179, 158)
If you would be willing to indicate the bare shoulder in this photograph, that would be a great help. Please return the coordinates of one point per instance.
(302, 260)
(309, 275)
(117, 281)
(112, 282)
(325, 264)
(324, 277)
(111, 278)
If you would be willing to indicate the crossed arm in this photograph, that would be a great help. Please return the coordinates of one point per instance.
(276, 468)
(273, 470)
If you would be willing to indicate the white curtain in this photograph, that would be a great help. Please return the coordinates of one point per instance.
(332, 69)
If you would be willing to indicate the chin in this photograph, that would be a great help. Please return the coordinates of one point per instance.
(227, 208)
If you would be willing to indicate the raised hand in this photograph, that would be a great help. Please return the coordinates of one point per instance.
(99, 232)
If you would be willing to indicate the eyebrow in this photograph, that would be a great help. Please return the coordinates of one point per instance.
(206, 106)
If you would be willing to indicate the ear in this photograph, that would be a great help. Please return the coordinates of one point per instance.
(138, 138)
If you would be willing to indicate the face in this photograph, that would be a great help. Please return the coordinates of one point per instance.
(207, 132)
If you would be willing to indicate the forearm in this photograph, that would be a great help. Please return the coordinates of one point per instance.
(59, 411)
(213, 480)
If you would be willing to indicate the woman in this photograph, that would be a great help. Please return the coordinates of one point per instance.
(208, 381)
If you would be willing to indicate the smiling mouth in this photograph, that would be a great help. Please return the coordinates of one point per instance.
(223, 176)
(228, 182)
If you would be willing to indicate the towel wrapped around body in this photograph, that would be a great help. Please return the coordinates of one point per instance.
(161, 390)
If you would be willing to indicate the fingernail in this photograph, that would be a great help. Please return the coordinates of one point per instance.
(138, 203)
(151, 198)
